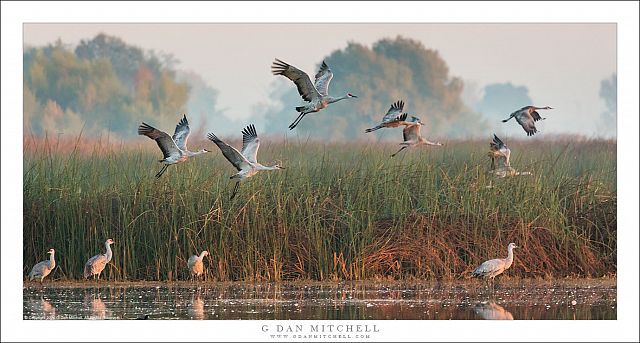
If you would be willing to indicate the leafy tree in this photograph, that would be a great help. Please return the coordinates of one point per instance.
(104, 84)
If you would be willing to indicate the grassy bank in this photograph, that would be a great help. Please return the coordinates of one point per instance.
(336, 212)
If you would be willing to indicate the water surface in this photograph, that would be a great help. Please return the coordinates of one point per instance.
(520, 299)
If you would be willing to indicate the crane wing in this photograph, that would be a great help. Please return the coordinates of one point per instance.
(394, 112)
(411, 132)
(39, 268)
(164, 141)
(230, 153)
(307, 90)
(526, 121)
(488, 267)
(250, 144)
(192, 261)
(536, 116)
(95, 265)
(497, 144)
(181, 134)
(323, 78)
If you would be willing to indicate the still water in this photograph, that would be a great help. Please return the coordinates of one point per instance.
(523, 299)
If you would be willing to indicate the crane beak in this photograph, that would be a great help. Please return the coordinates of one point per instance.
(354, 96)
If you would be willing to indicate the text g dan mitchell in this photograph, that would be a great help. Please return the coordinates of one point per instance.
(321, 328)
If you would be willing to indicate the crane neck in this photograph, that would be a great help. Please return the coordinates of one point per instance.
(52, 261)
(261, 167)
(332, 99)
(509, 259)
(108, 254)
(195, 153)
(201, 255)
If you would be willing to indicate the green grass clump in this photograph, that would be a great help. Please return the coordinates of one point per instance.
(337, 211)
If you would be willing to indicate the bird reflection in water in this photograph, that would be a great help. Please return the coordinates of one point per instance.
(196, 308)
(42, 307)
(97, 307)
(492, 311)
(48, 310)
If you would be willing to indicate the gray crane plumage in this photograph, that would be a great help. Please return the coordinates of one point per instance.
(498, 151)
(44, 268)
(315, 94)
(246, 161)
(526, 117)
(174, 148)
(412, 136)
(96, 264)
(492, 268)
(393, 118)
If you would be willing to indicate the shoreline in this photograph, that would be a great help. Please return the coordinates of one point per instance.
(607, 281)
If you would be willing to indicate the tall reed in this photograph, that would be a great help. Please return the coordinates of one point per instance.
(337, 212)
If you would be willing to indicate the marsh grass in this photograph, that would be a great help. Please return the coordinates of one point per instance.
(336, 213)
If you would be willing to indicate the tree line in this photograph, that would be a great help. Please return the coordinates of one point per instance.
(102, 86)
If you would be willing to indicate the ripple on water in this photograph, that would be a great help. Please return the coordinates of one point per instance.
(326, 301)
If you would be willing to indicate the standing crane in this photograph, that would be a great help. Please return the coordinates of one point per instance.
(246, 161)
(393, 118)
(42, 269)
(95, 265)
(174, 149)
(412, 137)
(526, 117)
(196, 265)
(315, 94)
(492, 268)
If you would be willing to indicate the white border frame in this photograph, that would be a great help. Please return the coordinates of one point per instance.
(625, 14)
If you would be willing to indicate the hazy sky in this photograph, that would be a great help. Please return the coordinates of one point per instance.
(561, 64)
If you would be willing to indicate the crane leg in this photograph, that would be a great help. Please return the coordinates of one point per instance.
(164, 168)
(235, 190)
(404, 147)
(295, 122)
